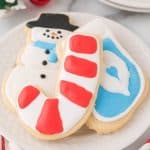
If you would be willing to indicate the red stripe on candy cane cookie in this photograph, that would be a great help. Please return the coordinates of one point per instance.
(80, 66)
(75, 93)
(27, 95)
(83, 44)
(49, 121)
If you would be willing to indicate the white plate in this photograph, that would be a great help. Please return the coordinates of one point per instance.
(130, 5)
(11, 127)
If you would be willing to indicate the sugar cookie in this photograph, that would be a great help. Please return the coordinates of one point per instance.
(30, 87)
(123, 87)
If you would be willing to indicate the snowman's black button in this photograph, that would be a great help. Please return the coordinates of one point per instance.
(43, 76)
(44, 62)
(47, 51)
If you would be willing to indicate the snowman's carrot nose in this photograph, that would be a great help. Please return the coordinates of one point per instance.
(53, 34)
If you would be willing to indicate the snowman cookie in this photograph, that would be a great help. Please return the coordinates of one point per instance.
(54, 94)
(43, 36)
(123, 87)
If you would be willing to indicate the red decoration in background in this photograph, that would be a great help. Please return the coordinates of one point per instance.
(2, 143)
(40, 2)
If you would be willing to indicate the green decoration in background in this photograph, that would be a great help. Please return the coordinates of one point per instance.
(5, 4)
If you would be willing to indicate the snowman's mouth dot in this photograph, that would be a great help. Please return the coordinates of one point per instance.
(47, 34)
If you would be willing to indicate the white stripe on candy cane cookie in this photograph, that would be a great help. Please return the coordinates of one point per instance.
(76, 88)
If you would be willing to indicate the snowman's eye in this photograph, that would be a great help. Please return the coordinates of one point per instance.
(47, 30)
(59, 32)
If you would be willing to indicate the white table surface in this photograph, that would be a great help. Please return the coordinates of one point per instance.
(138, 23)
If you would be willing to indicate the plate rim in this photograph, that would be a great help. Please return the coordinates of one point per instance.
(92, 15)
(125, 7)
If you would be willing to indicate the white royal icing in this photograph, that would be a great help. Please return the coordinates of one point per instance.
(25, 75)
(33, 56)
(76, 113)
(117, 85)
(39, 33)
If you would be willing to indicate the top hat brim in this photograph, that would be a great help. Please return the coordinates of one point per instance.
(33, 24)
(59, 21)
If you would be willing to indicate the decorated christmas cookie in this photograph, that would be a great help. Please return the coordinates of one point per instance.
(54, 94)
(40, 54)
(122, 89)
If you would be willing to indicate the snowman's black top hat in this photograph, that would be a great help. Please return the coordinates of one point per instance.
(59, 21)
